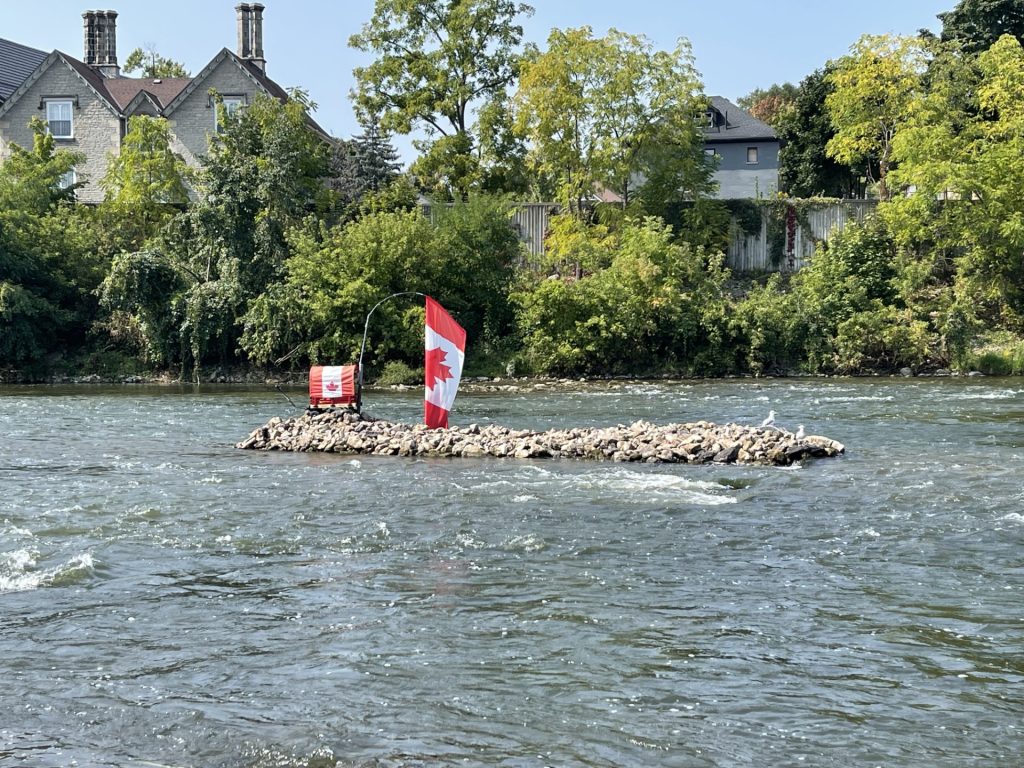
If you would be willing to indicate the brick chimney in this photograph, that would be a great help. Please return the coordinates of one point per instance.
(100, 29)
(250, 34)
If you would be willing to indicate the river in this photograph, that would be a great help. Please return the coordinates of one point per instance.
(168, 600)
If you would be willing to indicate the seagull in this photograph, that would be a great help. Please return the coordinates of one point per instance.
(800, 432)
(770, 421)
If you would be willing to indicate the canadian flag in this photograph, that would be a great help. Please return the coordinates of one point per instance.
(445, 350)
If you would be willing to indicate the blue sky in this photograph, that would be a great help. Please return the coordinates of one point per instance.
(739, 44)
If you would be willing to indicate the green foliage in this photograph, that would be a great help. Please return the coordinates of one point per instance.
(396, 372)
(435, 62)
(599, 112)
(881, 338)
(367, 163)
(146, 182)
(263, 176)
(150, 64)
(464, 258)
(873, 87)
(28, 322)
(974, 25)
(771, 328)
(805, 170)
(963, 153)
(48, 261)
(659, 303)
(841, 314)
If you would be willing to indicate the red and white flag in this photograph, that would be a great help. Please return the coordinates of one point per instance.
(445, 350)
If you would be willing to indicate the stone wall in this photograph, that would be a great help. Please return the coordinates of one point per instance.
(97, 130)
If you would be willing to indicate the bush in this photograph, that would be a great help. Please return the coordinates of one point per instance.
(1001, 355)
(397, 372)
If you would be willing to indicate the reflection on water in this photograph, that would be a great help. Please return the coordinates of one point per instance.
(169, 600)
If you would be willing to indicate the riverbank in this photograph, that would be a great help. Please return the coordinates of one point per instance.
(702, 442)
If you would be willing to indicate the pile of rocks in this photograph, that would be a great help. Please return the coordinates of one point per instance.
(702, 442)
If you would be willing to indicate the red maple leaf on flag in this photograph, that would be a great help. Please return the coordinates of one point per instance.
(330, 386)
(434, 365)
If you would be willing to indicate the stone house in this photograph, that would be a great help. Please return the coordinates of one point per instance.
(747, 151)
(86, 104)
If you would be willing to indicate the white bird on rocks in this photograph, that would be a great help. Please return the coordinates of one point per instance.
(770, 421)
(800, 432)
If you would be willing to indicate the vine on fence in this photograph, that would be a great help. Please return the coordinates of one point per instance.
(781, 217)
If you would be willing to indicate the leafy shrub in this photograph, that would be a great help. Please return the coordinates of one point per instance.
(883, 338)
(658, 304)
(397, 372)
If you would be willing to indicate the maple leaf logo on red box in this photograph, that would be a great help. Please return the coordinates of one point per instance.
(332, 386)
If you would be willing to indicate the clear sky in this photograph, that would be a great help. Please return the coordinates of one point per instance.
(739, 44)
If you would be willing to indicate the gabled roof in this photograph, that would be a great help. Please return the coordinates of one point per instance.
(92, 79)
(731, 123)
(17, 62)
(124, 90)
(253, 72)
(124, 95)
(197, 81)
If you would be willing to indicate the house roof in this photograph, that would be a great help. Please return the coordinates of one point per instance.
(17, 62)
(734, 124)
(163, 91)
(122, 95)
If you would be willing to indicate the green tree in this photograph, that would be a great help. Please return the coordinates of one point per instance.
(658, 303)
(873, 87)
(464, 257)
(974, 25)
(150, 64)
(366, 163)
(146, 182)
(770, 104)
(805, 169)
(264, 175)
(436, 62)
(600, 113)
(965, 217)
(48, 261)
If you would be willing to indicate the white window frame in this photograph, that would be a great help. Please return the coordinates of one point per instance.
(55, 107)
(755, 156)
(230, 104)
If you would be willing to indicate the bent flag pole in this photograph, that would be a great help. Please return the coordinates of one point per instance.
(445, 351)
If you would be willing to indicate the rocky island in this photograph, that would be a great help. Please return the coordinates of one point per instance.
(702, 442)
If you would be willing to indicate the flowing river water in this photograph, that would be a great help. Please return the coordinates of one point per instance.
(168, 600)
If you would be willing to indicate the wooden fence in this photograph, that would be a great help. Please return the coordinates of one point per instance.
(746, 253)
(753, 253)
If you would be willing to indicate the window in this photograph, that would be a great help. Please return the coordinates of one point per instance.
(67, 180)
(751, 155)
(229, 105)
(59, 121)
(710, 152)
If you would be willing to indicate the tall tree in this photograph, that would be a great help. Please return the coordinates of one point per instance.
(365, 163)
(437, 60)
(971, 158)
(974, 25)
(146, 182)
(805, 169)
(595, 111)
(873, 87)
(48, 265)
(263, 176)
(150, 64)
(770, 104)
